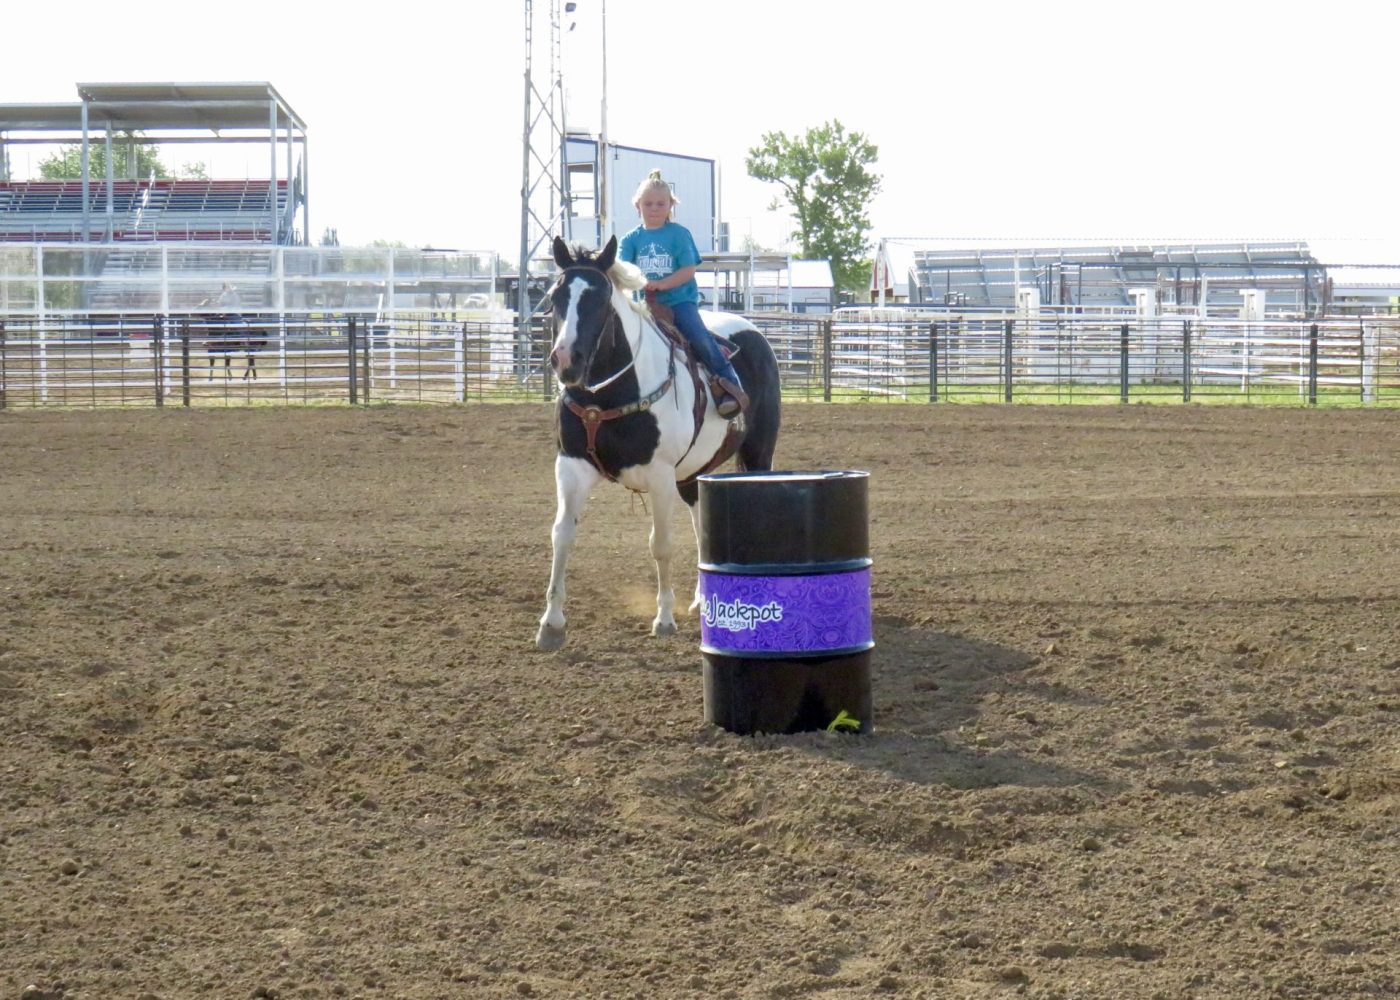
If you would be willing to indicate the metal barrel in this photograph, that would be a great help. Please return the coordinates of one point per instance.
(785, 627)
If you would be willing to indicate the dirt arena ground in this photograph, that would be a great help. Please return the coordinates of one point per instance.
(273, 724)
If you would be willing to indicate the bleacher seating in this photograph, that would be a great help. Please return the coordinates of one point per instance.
(142, 211)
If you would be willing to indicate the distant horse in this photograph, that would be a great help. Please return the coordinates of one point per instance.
(634, 409)
(229, 335)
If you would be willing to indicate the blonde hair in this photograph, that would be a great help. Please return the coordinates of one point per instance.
(653, 182)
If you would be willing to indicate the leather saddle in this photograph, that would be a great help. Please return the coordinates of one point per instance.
(666, 322)
(720, 387)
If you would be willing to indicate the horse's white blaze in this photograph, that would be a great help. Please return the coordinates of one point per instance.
(568, 326)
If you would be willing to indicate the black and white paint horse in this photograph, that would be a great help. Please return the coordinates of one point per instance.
(632, 412)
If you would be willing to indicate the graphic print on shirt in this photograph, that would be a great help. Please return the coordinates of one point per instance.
(654, 259)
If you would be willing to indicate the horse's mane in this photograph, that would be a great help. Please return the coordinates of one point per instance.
(629, 277)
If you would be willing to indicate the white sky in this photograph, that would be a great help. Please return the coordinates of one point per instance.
(1229, 119)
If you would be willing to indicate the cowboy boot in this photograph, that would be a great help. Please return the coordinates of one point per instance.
(730, 400)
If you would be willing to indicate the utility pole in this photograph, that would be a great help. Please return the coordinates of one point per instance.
(604, 216)
(544, 209)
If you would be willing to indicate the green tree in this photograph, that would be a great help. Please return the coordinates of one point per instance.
(827, 178)
(67, 163)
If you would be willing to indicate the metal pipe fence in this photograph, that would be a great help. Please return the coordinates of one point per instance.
(199, 359)
(257, 359)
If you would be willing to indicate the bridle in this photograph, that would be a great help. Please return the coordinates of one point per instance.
(593, 416)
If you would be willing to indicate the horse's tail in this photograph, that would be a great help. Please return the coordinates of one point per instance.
(757, 366)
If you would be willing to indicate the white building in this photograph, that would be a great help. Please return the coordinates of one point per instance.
(600, 192)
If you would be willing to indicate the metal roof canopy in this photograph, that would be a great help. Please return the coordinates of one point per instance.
(140, 107)
(213, 106)
(41, 118)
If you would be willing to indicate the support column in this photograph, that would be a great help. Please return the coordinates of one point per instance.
(111, 227)
(306, 188)
(87, 204)
(272, 148)
(291, 206)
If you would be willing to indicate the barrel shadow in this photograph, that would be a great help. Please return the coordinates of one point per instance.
(932, 691)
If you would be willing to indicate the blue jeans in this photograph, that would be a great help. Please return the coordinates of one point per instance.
(688, 321)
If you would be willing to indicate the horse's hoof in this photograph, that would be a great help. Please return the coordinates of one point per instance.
(550, 638)
(663, 628)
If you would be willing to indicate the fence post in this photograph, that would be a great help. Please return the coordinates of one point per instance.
(459, 360)
(185, 361)
(2, 364)
(158, 358)
(1123, 363)
(933, 362)
(1007, 356)
(1368, 360)
(353, 355)
(1186, 361)
(365, 347)
(826, 359)
(1312, 365)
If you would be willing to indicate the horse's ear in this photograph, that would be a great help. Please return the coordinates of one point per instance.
(561, 253)
(608, 257)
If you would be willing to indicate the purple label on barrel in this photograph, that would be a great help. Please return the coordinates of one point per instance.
(823, 613)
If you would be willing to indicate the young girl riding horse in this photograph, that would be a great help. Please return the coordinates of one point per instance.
(632, 410)
(666, 253)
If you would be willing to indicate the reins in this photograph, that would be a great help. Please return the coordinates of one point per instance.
(614, 321)
(593, 416)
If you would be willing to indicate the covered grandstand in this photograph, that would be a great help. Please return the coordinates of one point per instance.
(122, 209)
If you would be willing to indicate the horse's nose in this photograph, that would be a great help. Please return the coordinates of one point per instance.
(559, 359)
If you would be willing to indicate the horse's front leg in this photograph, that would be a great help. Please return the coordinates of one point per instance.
(661, 484)
(695, 526)
(573, 479)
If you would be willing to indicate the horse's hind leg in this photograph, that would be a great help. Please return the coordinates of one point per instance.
(573, 479)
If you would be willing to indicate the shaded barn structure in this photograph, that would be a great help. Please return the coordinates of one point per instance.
(765, 283)
(1273, 279)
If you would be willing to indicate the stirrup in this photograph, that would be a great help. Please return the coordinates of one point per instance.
(730, 400)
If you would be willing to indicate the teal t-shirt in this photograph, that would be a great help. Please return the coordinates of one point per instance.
(659, 252)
